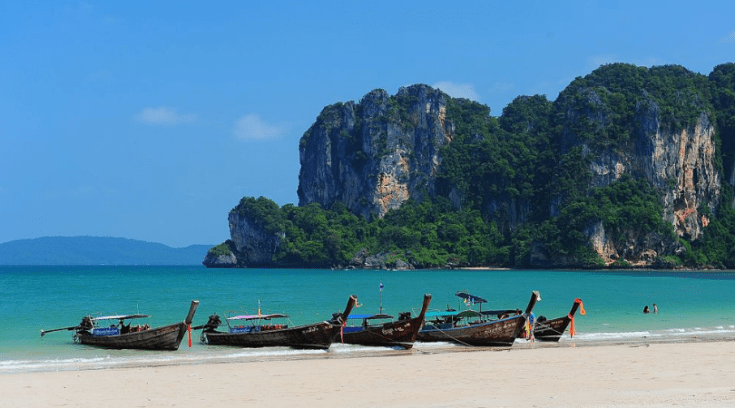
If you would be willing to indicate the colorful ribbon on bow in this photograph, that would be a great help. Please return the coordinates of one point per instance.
(529, 330)
(572, 332)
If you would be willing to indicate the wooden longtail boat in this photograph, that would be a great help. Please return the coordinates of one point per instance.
(472, 328)
(257, 334)
(401, 332)
(91, 333)
(552, 330)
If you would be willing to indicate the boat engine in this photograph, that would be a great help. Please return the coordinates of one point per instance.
(213, 322)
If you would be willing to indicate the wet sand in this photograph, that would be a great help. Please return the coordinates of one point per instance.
(690, 373)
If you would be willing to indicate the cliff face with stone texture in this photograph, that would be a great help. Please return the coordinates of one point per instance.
(374, 155)
(622, 169)
(678, 162)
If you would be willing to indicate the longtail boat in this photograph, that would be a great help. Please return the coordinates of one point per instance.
(92, 332)
(258, 331)
(400, 333)
(475, 328)
(552, 330)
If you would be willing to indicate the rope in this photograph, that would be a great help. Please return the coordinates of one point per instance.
(380, 334)
(458, 340)
(452, 337)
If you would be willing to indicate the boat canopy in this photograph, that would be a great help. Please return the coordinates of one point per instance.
(469, 313)
(120, 317)
(462, 314)
(369, 316)
(257, 317)
(431, 315)
(469, 297)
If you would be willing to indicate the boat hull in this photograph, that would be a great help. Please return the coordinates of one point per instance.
(551, 330)
(312, 336)
(400, 333)
(496, 333)
(161, 338)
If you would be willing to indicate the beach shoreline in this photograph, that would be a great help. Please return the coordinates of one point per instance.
(696, 371)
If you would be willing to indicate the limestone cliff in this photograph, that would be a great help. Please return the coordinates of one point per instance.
(254, 244)
(525, 189)
(374, 155)
(256, 231)
(679, 162)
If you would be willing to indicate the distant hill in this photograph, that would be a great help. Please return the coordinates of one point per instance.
(97, 251)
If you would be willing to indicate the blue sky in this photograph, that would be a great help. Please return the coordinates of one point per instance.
(150, 120)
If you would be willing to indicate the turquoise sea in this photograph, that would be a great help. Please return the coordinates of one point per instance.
(691, 304)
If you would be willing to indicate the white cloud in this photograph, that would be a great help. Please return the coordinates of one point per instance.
(456, 90)
(251, 127)
(164, 115)
(730, 38)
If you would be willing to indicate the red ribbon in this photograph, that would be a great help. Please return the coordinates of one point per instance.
(572, 332)
(188, 329)
(571, 328)
(581, 306)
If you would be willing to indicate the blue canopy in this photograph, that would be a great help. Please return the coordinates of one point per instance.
(431, 315)
(469, 313)
(469, 297)
(460, 314)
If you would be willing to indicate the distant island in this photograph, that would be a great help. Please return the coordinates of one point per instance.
(85, 250)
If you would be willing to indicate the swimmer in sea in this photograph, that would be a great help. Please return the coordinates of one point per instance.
(646, 310)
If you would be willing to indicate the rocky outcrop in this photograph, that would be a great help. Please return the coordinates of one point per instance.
(375, 155)
(254, 246)
(678, 163)
(383, 260)
(229, 260)
(637, 250)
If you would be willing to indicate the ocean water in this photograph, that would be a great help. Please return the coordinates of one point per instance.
(691, 304)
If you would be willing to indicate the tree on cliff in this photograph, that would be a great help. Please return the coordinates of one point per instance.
(624, 168)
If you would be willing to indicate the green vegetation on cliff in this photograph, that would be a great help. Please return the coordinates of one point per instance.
(518, 189)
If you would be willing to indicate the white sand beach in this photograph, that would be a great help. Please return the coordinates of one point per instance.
(689, 374)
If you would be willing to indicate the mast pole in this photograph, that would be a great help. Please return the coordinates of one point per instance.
(381, 297)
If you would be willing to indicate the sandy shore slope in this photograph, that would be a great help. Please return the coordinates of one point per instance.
(650, 375)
